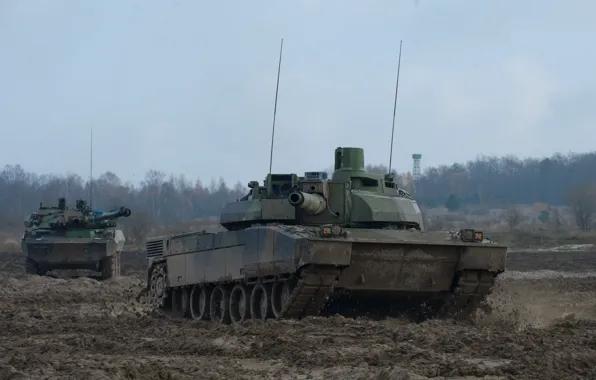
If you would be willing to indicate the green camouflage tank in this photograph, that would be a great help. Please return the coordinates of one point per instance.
(57, 237)
(353, 244)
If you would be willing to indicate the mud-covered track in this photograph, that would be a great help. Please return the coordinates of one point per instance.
(306, 294)
(311, 293)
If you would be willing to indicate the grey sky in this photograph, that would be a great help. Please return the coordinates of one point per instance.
(188, 86)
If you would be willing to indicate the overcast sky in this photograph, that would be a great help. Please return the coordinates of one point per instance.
(188, 86)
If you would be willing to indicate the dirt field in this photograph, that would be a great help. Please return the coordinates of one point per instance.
(543, 327)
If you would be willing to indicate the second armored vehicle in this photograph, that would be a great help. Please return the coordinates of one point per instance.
(296, 247)
(63, 238)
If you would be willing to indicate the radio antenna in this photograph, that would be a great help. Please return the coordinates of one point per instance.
(91, 173)
(395, 105)
(275, 105)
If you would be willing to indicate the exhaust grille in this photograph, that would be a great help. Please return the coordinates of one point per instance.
(154, 248)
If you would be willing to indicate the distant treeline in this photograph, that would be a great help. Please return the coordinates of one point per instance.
(508, 180)
(169, 199)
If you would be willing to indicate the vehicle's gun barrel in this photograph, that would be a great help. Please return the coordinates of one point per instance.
(310, 202)
(121, 212)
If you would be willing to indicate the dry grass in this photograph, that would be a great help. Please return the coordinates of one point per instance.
(528, 238)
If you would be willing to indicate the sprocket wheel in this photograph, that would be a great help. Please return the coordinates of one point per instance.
(157, 294)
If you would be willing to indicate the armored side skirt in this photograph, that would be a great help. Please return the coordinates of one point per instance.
(410, 269)
(298, 273)
(365, 266)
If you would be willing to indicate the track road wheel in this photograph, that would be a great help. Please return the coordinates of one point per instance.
(280, 295)
(219, 305)
(199, 302)
(157, 294)
(185, 302)
(177, 302)
(239, 304)
(31, 267)
(260, 302)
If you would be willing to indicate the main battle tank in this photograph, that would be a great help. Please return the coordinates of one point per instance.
(80, 238)
(302, 246)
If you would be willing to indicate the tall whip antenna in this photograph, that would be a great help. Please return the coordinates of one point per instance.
(281, 48)
(395, 105)
(91, 173)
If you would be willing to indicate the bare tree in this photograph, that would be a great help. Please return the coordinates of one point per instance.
(139, 227)
(582, 199)
(513, 217)
(555, 219)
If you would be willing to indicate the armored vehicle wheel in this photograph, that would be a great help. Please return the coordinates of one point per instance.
(31, 266)
(110, 266)
(185, 302)
(219, 305)
(280, 296)
(158, 291)
(260, 301)
(239, 304)
(199, 302)
(177, 302)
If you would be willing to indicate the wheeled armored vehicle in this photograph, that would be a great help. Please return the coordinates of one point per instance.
(301, 246)
(57, 237)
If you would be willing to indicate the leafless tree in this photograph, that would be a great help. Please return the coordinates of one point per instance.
(582, 199)
(138, 227)
(555, 219)
(513, 217)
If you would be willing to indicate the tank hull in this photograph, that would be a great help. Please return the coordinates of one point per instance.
(300, 273)
(54, 253)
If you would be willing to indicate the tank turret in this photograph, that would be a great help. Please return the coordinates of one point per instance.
(352, 197)
(48, 220)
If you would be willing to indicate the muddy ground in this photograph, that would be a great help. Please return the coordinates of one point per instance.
(543, 327)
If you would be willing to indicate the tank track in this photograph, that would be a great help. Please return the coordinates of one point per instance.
(31, 267)
(311, 293)
(316, 284)
(313, 289)
(469, 292)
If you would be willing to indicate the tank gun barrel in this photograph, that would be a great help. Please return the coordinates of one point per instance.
(121, 212)
(310, 202)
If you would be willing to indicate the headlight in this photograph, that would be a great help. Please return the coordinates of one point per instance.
(325, 231)
(328, 230)
(336, 230)
(469, 235)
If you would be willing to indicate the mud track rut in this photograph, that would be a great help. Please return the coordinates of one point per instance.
(543, 326)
